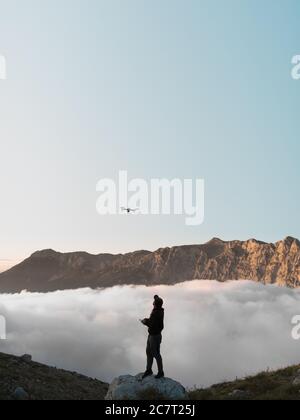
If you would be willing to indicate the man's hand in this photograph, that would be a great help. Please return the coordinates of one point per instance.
(144, 321)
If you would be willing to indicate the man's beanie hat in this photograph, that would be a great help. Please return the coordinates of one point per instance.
(158, 301)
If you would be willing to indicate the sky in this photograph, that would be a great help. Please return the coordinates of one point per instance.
(173, 89)
(97, 333)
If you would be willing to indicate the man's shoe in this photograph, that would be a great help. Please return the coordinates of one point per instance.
(160, 375)
(147, 373)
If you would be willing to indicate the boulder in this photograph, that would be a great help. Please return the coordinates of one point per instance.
(296, 381)
(20, 395)
(26, 358)
(239, 394)
(136, 388)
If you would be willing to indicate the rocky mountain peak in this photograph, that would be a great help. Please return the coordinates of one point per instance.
(45, 253)
(289, 240)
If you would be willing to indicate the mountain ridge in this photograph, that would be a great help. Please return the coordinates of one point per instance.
(269, 263)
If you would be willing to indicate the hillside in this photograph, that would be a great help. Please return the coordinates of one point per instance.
(283, 384)
(48, 270)
(41, 382)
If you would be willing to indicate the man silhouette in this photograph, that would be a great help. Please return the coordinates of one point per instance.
(155, 326)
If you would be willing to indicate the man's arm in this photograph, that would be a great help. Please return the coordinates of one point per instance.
(150, 322)
(156, 320)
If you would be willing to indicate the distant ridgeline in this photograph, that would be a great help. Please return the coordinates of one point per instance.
(262, 262)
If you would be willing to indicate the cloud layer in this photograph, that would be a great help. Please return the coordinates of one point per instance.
(214, 332)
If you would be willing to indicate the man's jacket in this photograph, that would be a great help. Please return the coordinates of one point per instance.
(155, 323)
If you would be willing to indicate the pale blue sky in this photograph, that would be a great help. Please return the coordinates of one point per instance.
(162, 88)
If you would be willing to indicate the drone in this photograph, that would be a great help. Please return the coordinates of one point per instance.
(128, 210)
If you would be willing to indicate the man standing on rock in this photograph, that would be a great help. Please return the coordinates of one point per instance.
(155, 326)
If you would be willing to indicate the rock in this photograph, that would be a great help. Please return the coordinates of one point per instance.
(136, 388)
(26, 358)
(239, 394)
(296, 381)
(20, 394)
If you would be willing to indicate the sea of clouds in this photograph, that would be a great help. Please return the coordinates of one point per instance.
(213, 332)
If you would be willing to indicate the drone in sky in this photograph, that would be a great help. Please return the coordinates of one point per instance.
(128, 210)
